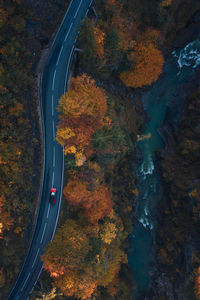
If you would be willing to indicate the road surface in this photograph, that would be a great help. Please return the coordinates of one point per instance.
(54, 84)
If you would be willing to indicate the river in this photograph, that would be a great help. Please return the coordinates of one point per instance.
(177, 70)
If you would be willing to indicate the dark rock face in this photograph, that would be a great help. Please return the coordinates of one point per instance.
(189, 33)
(163, 286)
(168, 136)
(176, 108)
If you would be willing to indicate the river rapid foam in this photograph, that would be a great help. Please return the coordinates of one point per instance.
(188, 56)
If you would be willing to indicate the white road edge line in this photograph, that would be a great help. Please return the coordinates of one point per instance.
(53, 131)
(35, 257)
(54, 76)
(63, 21)
(78, 9)
(59, 55)
(43, 232)
(68, 31)
(17, 297)
(54, 156)
(25, 281)
(52, 106)
(60, 198)
(38, 276)
(63, 163)
(68, 68)
(53, 179)
(48, 211)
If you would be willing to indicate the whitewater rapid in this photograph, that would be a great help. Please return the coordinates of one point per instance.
(189, 56)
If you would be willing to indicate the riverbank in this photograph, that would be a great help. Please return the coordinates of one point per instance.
(175, 242)
(176, 246)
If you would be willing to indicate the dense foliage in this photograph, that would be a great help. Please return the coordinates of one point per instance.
(127, 44)
(179, 236)
(147, 68)
(21, 39)
(83, 111)
(127, 41)
(117, 46)
(19, 138)
(89, 244)
(94, 200)
(86, 256)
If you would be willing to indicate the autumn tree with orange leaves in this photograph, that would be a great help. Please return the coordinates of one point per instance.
(79, 260)
(148, 66)
(70, 253)
(95, 203)
(83, 110)
(64, 259)
(83, 98)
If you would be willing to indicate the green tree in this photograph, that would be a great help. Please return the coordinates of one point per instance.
(88, 44)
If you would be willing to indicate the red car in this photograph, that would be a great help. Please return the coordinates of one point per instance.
(52, 195)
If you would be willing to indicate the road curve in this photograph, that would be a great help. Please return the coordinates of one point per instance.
(54, 84)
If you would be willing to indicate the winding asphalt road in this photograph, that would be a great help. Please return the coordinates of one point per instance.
(54, 84)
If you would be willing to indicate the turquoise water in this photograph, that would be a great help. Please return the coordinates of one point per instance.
(176, 71)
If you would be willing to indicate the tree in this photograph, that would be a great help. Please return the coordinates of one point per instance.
(113, 286)
(112, 45)
(104, 138)
(148, 66)
(88, 43)
(83, 110)
(165, 3)
(67, 251)
(95, 203)
(127, 30)
(83, 256)
(64, 134)
(108, 263)
(76, 284)
(65, 260)
(99, 39)
(83, 98)
(109, 232)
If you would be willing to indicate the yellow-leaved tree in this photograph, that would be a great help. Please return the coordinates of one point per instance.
(83, 110)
